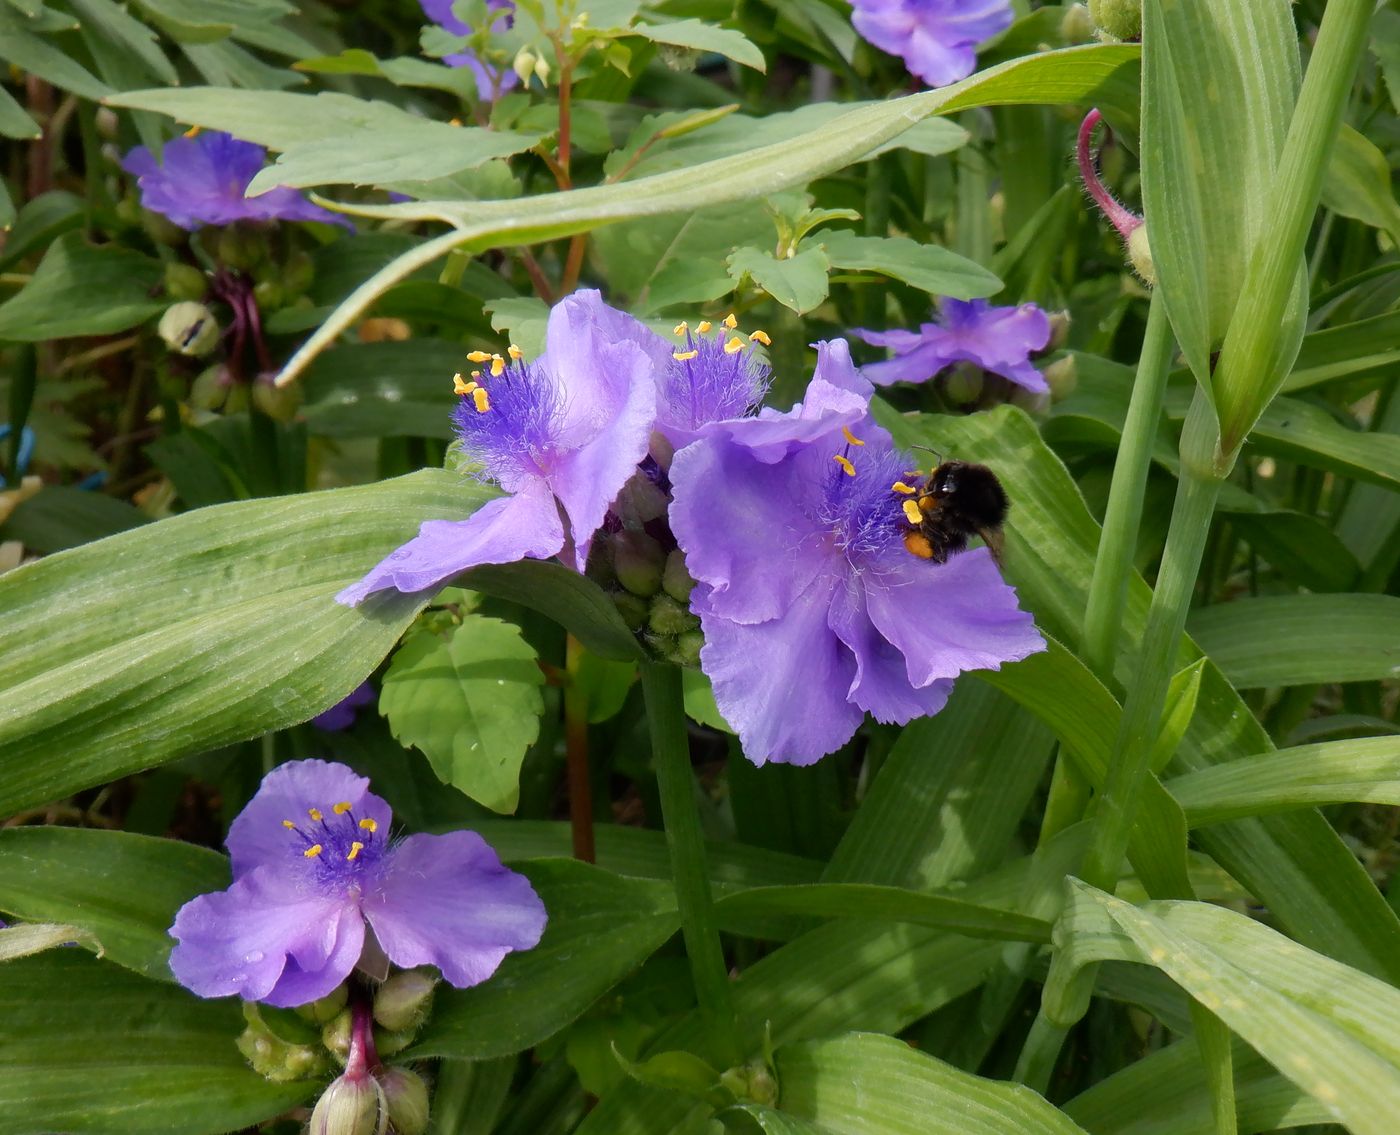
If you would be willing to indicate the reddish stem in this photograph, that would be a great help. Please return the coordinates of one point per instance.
(362, 1059)
(1119, 215)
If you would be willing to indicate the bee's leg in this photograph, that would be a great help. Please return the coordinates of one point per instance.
(995, 539)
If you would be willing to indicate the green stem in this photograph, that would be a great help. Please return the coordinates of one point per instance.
(661, 684)
(1040, 1053)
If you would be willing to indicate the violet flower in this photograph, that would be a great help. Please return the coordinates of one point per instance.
(712, 375)
(491, 81)
(813, 610)
(201, 181)
(937, 39)
(561, 435)
(998, 339)
(342, 714)
(313, 863)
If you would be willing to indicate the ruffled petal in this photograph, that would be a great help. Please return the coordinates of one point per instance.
(918, 365)
(448, 901)
(952, 617)
(524, 524)
(936, 61)
(258, 836)
(998, 339)
(266, 939)
(782, 684)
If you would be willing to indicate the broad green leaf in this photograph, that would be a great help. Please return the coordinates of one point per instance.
(126, 681)
(745, 1119)
(79, 289)
(1292, 640)
(383, 389)
(1303, 432)
(929, 267)
(62, 517)
(39, 57)
(184, 23)
(404, 72)
(1350, 348)
(863, 1084)
(35, 938)
(1361, 770)
(601, 927)
(471, 702)
(40, 221)
(603, 684)
(698, 36)
(15, 121)
(798, 282)
(112, 21)
(1358, 184)
(700, 701)
(121, 888)
(91, 1049)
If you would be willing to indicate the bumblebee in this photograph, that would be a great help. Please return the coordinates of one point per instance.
(953, 503)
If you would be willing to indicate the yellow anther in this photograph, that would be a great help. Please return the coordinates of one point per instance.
(478, 357)
(481, 400)
(704, 326)
(760, 337)
(289, 825)
(515, 352)
(684, 356)
(498, 366)
(370, 825)
(460, 385)
(314, 813)
(355, 849)
(850, 437)
(912, 513)
(680, 328)
(734, 344)
(341, 808)
(901, 487)
(845, 464)
(193, 132)
(314, 850)
(730, 322)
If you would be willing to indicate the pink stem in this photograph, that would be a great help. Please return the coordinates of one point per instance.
(362, 1057)
(1119, 215)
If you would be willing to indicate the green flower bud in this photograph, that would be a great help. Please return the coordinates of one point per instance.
(189, 328)
(1062, 376)
(686, 652)
(185, 281)
(276, 1060)
(210, 389)
(1033, 402)
(280, 402)
(269, 295)
(632, 608)
(329, 1006)
(161, 230)
(1117, 19)
(241, 246)
(407, 1098)
(667, 617)
(964, 383)
(1140, 256)
(638, 561)
(640, 501)
(1077, 25)
(1060, 323)
(388, 1043)
(298, 275)
(350, 1107)
(403, 1001)
(524, 64)
(676, 580)
(753, 1082)
(236, 399)
(542, 70)
(336, 1034)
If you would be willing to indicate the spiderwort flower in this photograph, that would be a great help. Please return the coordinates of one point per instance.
(201, 181)
(813, 609)
(560, 435)
(937, 39)
(491, 81)
(313, 863)
(997, 339)
(712, 376)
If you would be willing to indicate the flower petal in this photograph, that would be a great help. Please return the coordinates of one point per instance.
(524, 524)
(947, 618)
(258, 835)
(917, 365)
(448, 901)
(266, 939)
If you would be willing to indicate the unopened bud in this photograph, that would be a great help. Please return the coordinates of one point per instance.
(298, 274)
(542, 70)
(407, 1097)
(185, 281)
(524, 64)
(269, 295)
(632, 608)
(1140, 256)
(1033, 402)
(277, 1060)
(1117, 19)
(640, 501)
(350, 1107)
(676, 580)
(638, 561)
(336, 1034)
(1076, 25)
(687, 649)
(403, 1001)
(329, 1006)
(752, 1082)
(1062, 376)
(189, 328)
(668, 617)
(678, 58)
(388, 1043)
(279, 402)
(963, 384)
(162, 230)
(210, 390)
(241, 246)
(1060, 323)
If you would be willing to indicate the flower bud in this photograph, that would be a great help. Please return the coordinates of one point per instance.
(241, 246)
(269, 295)
(686, 651)
(632, 608)
(406, 1096)
(638, 561)
(542, 70)
(1062, 376)
(1060, 323)
(676, 580)
(277, 1060)
(403, 1001)
(189, 328)
(185, 281)
(1117, 19)
(161, 230)
(524, 64)
(350, 1106)
(329, 1006)
(279, 402)
(963, 384)
(236, 399)
(667, 617)
(1034, 402)
(298, 275)
(640, 501)
(1140, 256)
(1076, 25)
(336, 1034)
(210, 390)
(389, 1043)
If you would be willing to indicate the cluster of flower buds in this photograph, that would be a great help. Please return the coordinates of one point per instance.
(651, 589)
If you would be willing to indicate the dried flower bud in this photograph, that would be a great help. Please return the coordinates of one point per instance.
(407, 1098)
(189, 328)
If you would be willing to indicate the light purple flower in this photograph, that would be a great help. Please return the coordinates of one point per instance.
(561, 435)
(313, 863)
(491, 81)
(937, 39)
(997, 339)
(342, 714)
(712, 376)
(201, 180)
(813, 610)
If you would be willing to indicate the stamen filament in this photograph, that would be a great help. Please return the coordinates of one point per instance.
(845, 463)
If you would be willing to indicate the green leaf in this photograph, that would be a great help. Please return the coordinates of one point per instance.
(39, 57)
(1180, 708)
(35, 938)
(471, 702)
(1303, 432)
(121, 888)
(700, 701)
(703, 37)
(798, 282)
(80, 289)
(388, 389)
(62, 517)
(1293, 640)
(125, 681)
(90, 1049)
(112, 22)
(930, 267)
(1358, 184)
(15, 121)
(40, 221)
(601, 927)
(1351, 348)
(603, 685)
(1362, 770)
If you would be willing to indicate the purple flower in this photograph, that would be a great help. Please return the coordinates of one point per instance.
(491, 81)
(997, 339)
(813, 610)
(201, 180)
(937, 39)
(712, 376)
(342, 714)
(312, 863)
(561, 435)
